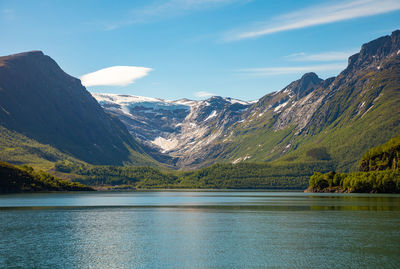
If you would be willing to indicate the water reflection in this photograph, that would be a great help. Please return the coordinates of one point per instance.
(196, 230)
(206, 200)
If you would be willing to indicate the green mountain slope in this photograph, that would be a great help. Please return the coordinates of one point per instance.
(47, 114)
(336, 119)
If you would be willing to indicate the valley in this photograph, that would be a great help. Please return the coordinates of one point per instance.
(278, 141)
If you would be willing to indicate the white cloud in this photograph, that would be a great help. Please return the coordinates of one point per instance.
(270, 71)
(320, 57)
(203, 94)
(115, 76)
(317, 15)
(162, 9)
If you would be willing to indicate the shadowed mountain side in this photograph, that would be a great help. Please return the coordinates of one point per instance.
(42, 102)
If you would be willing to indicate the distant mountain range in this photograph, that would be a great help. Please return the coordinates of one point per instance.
(335, 120)
(178, 129)
(48, 115)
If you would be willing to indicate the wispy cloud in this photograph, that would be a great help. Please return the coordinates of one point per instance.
(329, 56)
(271, 71)
(115, 76)
(161, 9)
(316, 15)
(203, 94)
(8, 14)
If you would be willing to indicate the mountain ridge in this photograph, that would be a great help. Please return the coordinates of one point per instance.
(310, 120)
(283, 125)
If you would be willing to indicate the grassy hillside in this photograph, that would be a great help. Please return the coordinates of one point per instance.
(25, 179)
(18, 149)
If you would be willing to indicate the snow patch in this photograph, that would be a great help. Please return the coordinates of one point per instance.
(246, 157)
(280, 106)
(165, 144)
(212, 115)
(367, 111)
(237, 160)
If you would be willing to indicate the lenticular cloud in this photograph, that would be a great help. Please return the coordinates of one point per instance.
(115, 76)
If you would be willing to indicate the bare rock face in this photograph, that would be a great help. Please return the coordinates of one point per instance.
(41, 101)
(375, 51)
(182, 129)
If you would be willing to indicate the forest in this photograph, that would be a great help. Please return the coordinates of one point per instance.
(26, 179)
(378, 172)
(217, 176)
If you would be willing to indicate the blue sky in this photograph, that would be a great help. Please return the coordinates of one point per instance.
(195, 48)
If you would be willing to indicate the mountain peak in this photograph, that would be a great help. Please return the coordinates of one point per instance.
(376, 50)
(311, 76)
(303, 86)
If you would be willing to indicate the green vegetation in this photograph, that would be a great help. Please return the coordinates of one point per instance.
(26, 179)
(387, 181)
(319, 153)
(18, 149)
(251, 176)
(218, 176)
(379, 172)
(362, 113)
(386, 156)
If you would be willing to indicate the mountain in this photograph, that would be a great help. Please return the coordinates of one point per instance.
(336, 119)
(333, 120)
(41, 103)
(180, 129)
(47, 115)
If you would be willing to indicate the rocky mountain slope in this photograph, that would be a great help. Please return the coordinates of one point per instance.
(336, 119)
(39, 101)
(179, 129)
(333, 120)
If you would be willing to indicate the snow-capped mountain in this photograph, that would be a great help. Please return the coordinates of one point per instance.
(178, 128)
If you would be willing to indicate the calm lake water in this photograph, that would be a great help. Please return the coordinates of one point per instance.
(199, 230)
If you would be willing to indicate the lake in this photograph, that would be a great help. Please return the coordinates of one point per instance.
(186, 229)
